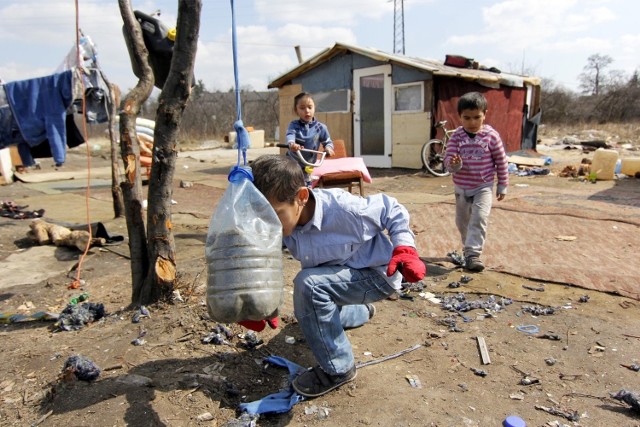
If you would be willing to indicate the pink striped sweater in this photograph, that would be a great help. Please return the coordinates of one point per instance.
(482, 158)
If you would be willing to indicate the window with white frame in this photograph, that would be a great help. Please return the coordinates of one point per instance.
(408, 97)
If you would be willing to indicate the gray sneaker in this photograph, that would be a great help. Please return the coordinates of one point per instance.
(473, 263)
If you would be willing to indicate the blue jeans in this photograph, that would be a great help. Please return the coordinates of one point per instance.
(327, 300)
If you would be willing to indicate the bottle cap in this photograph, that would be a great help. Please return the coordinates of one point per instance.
(171, 34)
(514, 421)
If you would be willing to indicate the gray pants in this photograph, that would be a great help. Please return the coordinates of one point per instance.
(472, 218)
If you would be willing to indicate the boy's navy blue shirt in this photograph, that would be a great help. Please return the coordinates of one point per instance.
(310, 135)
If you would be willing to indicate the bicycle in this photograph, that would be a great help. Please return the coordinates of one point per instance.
(433, 151)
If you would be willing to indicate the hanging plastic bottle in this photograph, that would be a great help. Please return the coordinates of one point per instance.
(244, 254)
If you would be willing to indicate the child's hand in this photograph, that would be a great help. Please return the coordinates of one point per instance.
(456, 160)
(329, 151)
(294, 147)
(406, 259)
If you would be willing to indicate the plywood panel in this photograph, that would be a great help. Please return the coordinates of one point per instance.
(287, 112)
(340, 125)
(409, 133)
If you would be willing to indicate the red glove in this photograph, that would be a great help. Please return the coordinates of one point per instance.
(405, 259)
(259, 325)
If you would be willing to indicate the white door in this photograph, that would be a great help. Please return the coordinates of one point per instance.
(372, 115)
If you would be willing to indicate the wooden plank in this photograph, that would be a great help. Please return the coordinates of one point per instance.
(484, 351)
(526, 161)
(409, 132)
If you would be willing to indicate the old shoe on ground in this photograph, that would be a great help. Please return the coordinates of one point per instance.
(473, 263)
(315, 382)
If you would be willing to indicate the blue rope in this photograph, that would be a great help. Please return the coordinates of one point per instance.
(238, 172)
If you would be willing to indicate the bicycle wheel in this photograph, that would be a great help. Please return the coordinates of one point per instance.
(433, 157)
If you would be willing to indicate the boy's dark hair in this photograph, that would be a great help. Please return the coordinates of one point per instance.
(277, 177)
(300, 96)
(472, 101)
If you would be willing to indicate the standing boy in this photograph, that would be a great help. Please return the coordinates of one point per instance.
(352, 251)
(475, 155)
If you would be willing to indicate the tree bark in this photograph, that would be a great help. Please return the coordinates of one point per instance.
(161, 276)
(130, 152)
(116, 190)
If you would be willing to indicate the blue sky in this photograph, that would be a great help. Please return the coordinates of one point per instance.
(546, 38)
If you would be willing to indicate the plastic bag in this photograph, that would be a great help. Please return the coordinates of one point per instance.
(244, 257)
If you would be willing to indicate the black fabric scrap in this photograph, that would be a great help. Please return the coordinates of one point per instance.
(75, 316)
(83, 368)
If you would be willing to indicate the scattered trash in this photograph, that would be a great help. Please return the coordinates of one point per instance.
(81, 368)
(79, 298)
(186, 184)
(552, 337)
(584, 298)
(219, 335)
(534, 288)
(9, 209)
(634, 367)
(457, 258)
(631, 398)
(459, 303)
(538, 310)
(322, 412)
(140, 313)
(75, 316)
(484, 351)
(463, 387)
(465, 279)
(175, 296)
(516, 396)
(528, 329)
(414, 381)
(18, 317)
(529, 381)
(138, 341)
(430, 297)
(251, 340)
(454, 285)
(522, 185)
(570, 415)
(479, 372)
(550, 361)
(566, 238)
(205, 416)
(514, 421)
(244, 420)
(289, 339)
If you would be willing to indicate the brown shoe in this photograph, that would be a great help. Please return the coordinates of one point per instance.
(473, 263)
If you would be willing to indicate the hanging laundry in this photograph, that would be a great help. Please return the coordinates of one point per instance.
(39, 108)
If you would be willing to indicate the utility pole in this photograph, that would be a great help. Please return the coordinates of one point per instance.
(398, 26)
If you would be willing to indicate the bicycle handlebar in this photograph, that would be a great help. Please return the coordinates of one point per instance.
(303, 160)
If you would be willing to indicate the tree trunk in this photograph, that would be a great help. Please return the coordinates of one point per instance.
(130, 152)
(116, 190)
(161, 276)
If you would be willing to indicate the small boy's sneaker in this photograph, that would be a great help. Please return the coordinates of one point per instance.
(372, 310)
(316, 382)
(473, 263)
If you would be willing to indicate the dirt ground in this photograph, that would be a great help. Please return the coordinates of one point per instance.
(562, 375)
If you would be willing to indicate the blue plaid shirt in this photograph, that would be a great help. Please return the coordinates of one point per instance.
(350, 230)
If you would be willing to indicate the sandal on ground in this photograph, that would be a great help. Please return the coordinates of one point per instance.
(315, 382)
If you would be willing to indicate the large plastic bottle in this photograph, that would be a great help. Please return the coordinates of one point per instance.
(244, 256)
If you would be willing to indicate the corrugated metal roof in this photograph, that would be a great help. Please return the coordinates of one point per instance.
(437, 68)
